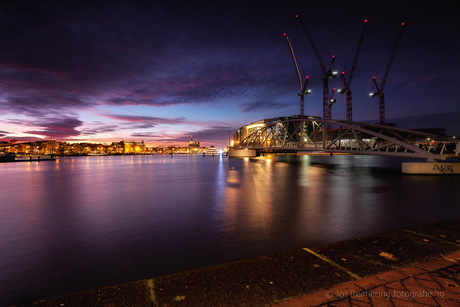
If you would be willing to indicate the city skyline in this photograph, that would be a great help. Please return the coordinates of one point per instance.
(51, 147)
(164, 72)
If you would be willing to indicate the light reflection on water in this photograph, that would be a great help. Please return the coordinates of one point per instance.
(89, 222)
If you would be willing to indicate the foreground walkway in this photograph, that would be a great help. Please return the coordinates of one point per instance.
(413, 267)
(431, 283)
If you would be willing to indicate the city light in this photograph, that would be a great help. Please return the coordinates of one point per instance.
(51, 147)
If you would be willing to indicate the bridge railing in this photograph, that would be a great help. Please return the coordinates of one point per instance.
(351, 137)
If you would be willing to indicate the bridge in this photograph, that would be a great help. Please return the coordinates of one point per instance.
(294, 135)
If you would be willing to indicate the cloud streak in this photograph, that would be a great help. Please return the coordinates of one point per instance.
(57, 128)
(144, 122)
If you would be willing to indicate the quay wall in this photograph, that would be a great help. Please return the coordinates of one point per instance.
(285, 276)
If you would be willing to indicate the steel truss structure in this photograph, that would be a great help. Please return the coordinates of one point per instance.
(296, 135)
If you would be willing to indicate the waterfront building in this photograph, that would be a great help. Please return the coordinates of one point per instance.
(51, 147)
(212, 151)
(247, 130)
(194, 143)
(131, 147)
(194, 147)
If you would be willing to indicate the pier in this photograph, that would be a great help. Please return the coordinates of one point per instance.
(30, 159)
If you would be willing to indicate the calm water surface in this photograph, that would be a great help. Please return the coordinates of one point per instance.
(87, 222)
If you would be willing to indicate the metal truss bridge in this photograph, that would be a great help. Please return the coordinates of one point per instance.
(340, 136)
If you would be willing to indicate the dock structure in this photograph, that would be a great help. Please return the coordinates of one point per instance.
(29, 159)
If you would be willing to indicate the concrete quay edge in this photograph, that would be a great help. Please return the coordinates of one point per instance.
(337, 274)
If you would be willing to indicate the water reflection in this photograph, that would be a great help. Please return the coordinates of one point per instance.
(89, 222)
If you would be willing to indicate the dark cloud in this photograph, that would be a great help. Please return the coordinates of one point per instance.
(144, 135)
(57, 128)
(99, 129)
(143, 122)
(21, 139)
(67, 54)
(41, 105)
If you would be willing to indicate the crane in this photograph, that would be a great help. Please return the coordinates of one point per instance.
(379, 89)
(327, 74)
(303, 87)
(332, 100)
(346, 83)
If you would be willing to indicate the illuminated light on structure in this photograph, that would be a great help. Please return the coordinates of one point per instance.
(255, 125)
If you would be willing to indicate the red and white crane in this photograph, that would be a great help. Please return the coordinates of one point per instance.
(346, 83)
(327, 74)
(379, 89)
(303, 87)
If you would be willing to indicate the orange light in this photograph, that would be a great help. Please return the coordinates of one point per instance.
(365, 20)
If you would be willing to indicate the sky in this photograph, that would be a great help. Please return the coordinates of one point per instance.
(166, 71)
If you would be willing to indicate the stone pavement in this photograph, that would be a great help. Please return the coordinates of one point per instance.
(413, 267)
(431, 283)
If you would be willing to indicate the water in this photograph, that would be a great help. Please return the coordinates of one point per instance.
(87, 222)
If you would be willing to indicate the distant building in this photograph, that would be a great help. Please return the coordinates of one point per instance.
(194, 146)
(124, 147)
(51, 147)
(194, 143)
(212, 151)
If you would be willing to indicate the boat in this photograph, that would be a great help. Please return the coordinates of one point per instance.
(211, 151)
(7, 157)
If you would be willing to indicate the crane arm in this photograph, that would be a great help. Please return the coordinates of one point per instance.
(345, 83)
(392, 56)
(313, 45)
(376, 86)
(295, 64)
(358, 50)
(307, 92)
(332, 100)
(332, 66)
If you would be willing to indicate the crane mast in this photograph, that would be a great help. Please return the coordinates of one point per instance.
(379, 89)
(346, 83)
(327, 74)
(303, 88)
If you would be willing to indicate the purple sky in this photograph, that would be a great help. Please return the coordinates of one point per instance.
(162, 73)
